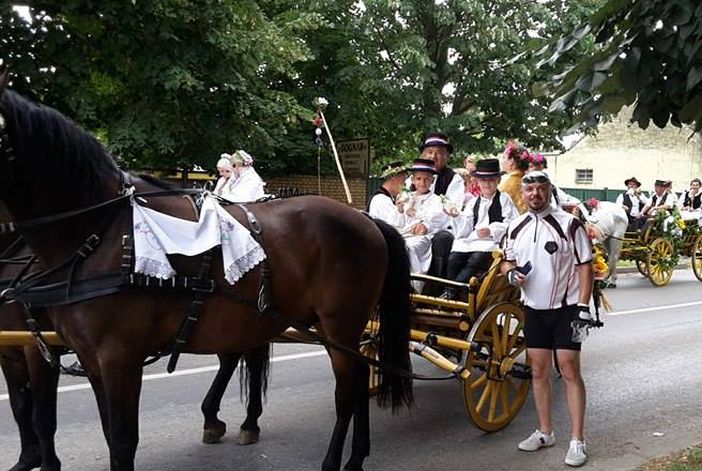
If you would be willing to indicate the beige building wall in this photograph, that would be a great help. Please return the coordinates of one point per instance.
(621, 150)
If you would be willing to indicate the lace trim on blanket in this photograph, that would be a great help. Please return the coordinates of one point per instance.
(152, 267)
(244, 263)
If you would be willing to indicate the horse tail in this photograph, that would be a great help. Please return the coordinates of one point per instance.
(254, 378)
(394, 314)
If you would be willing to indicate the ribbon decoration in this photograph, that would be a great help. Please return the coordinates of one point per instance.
(321, 104)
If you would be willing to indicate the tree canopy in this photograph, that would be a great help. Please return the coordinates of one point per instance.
(176, 82)
(648, 54)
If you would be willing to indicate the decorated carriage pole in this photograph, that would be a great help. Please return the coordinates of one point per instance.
(321, 105)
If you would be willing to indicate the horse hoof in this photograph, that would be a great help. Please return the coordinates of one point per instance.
(247, 437)
(214, 434)
(25, 466)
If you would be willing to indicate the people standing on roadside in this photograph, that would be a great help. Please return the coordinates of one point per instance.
(515, 161)
(633, 202)
(549, 256)
(248, 185)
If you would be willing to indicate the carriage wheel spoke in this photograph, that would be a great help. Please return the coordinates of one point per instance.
(479, 382)
(494, 395)
(483, 397)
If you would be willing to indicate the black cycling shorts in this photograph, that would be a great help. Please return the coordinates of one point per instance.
(550, 328)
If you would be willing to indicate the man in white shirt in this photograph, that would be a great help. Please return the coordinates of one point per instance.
(479, 228)
(556, 292)
(633, 202)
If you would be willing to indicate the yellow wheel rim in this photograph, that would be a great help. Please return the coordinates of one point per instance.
(696, 257)
(661, 252)
(493, 395)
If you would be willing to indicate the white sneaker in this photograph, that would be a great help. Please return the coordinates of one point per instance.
(576, 453)
(537, 440)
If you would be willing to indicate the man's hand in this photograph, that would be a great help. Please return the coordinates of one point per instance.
(515, 278)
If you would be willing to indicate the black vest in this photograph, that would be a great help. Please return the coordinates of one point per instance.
(443, 180)
(494, 211)
(695, 202)
(379, 191)
(655, 202)
(629, 204)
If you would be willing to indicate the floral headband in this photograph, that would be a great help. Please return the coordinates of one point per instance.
(516, 152)
(537, 158)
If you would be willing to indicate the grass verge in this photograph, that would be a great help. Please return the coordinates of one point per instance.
(690, 459)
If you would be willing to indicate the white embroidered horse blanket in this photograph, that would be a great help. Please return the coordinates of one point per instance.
(157, 234)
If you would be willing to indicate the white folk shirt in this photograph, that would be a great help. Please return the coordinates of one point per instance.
(247, 187)
(456, 193)
(466, 239)
(636, 201)
(555, 243)
(428, 211)
(383, 207)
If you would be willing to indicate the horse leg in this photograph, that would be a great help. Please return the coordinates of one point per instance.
(214, 429)
(346, 398)
(44, 378)
(257, 376)
(360, 444)
(614, 247)
(14, 368)
(121, 380)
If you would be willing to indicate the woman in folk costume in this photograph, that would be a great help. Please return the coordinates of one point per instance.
(479, 228)
(422, 217)
(224, 169)
(248, 185)
(382, 203)
(515, 162)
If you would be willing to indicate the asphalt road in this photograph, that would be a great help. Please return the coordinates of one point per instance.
(643, 372)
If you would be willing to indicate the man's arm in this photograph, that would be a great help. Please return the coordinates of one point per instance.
(586, 278)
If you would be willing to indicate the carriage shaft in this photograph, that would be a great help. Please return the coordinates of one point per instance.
(18, 338)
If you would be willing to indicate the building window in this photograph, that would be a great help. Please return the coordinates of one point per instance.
(583, 175)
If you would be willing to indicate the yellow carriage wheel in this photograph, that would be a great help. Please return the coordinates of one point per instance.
(500, 377)
(369, 349)
(696, 257)
(642, 266)
(657, 262)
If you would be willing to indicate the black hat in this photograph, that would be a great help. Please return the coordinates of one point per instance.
(487, 168)
(630, 180)
(392, 169)
(423, 165)
(436, 139)
(663, 183)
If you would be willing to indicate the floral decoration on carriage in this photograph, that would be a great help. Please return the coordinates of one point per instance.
(670, 225)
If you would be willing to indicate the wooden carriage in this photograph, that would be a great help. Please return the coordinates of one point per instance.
(654, 253)
(479, 341)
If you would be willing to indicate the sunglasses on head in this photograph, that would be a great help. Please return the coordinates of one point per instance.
(535, 177)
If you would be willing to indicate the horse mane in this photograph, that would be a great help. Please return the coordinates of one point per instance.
(53, 149)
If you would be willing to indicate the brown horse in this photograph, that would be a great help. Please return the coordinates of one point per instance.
(32, 381)
(330, 267)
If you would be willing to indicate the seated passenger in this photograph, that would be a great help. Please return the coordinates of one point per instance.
(382, 203)
(633, 201)
(422, 217)
(248, 185)
(479, 228)
(661, 199)
(691, 200)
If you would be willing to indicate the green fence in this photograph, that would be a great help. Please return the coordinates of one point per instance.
(604, 194)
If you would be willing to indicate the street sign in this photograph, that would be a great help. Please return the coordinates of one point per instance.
(355, 156)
